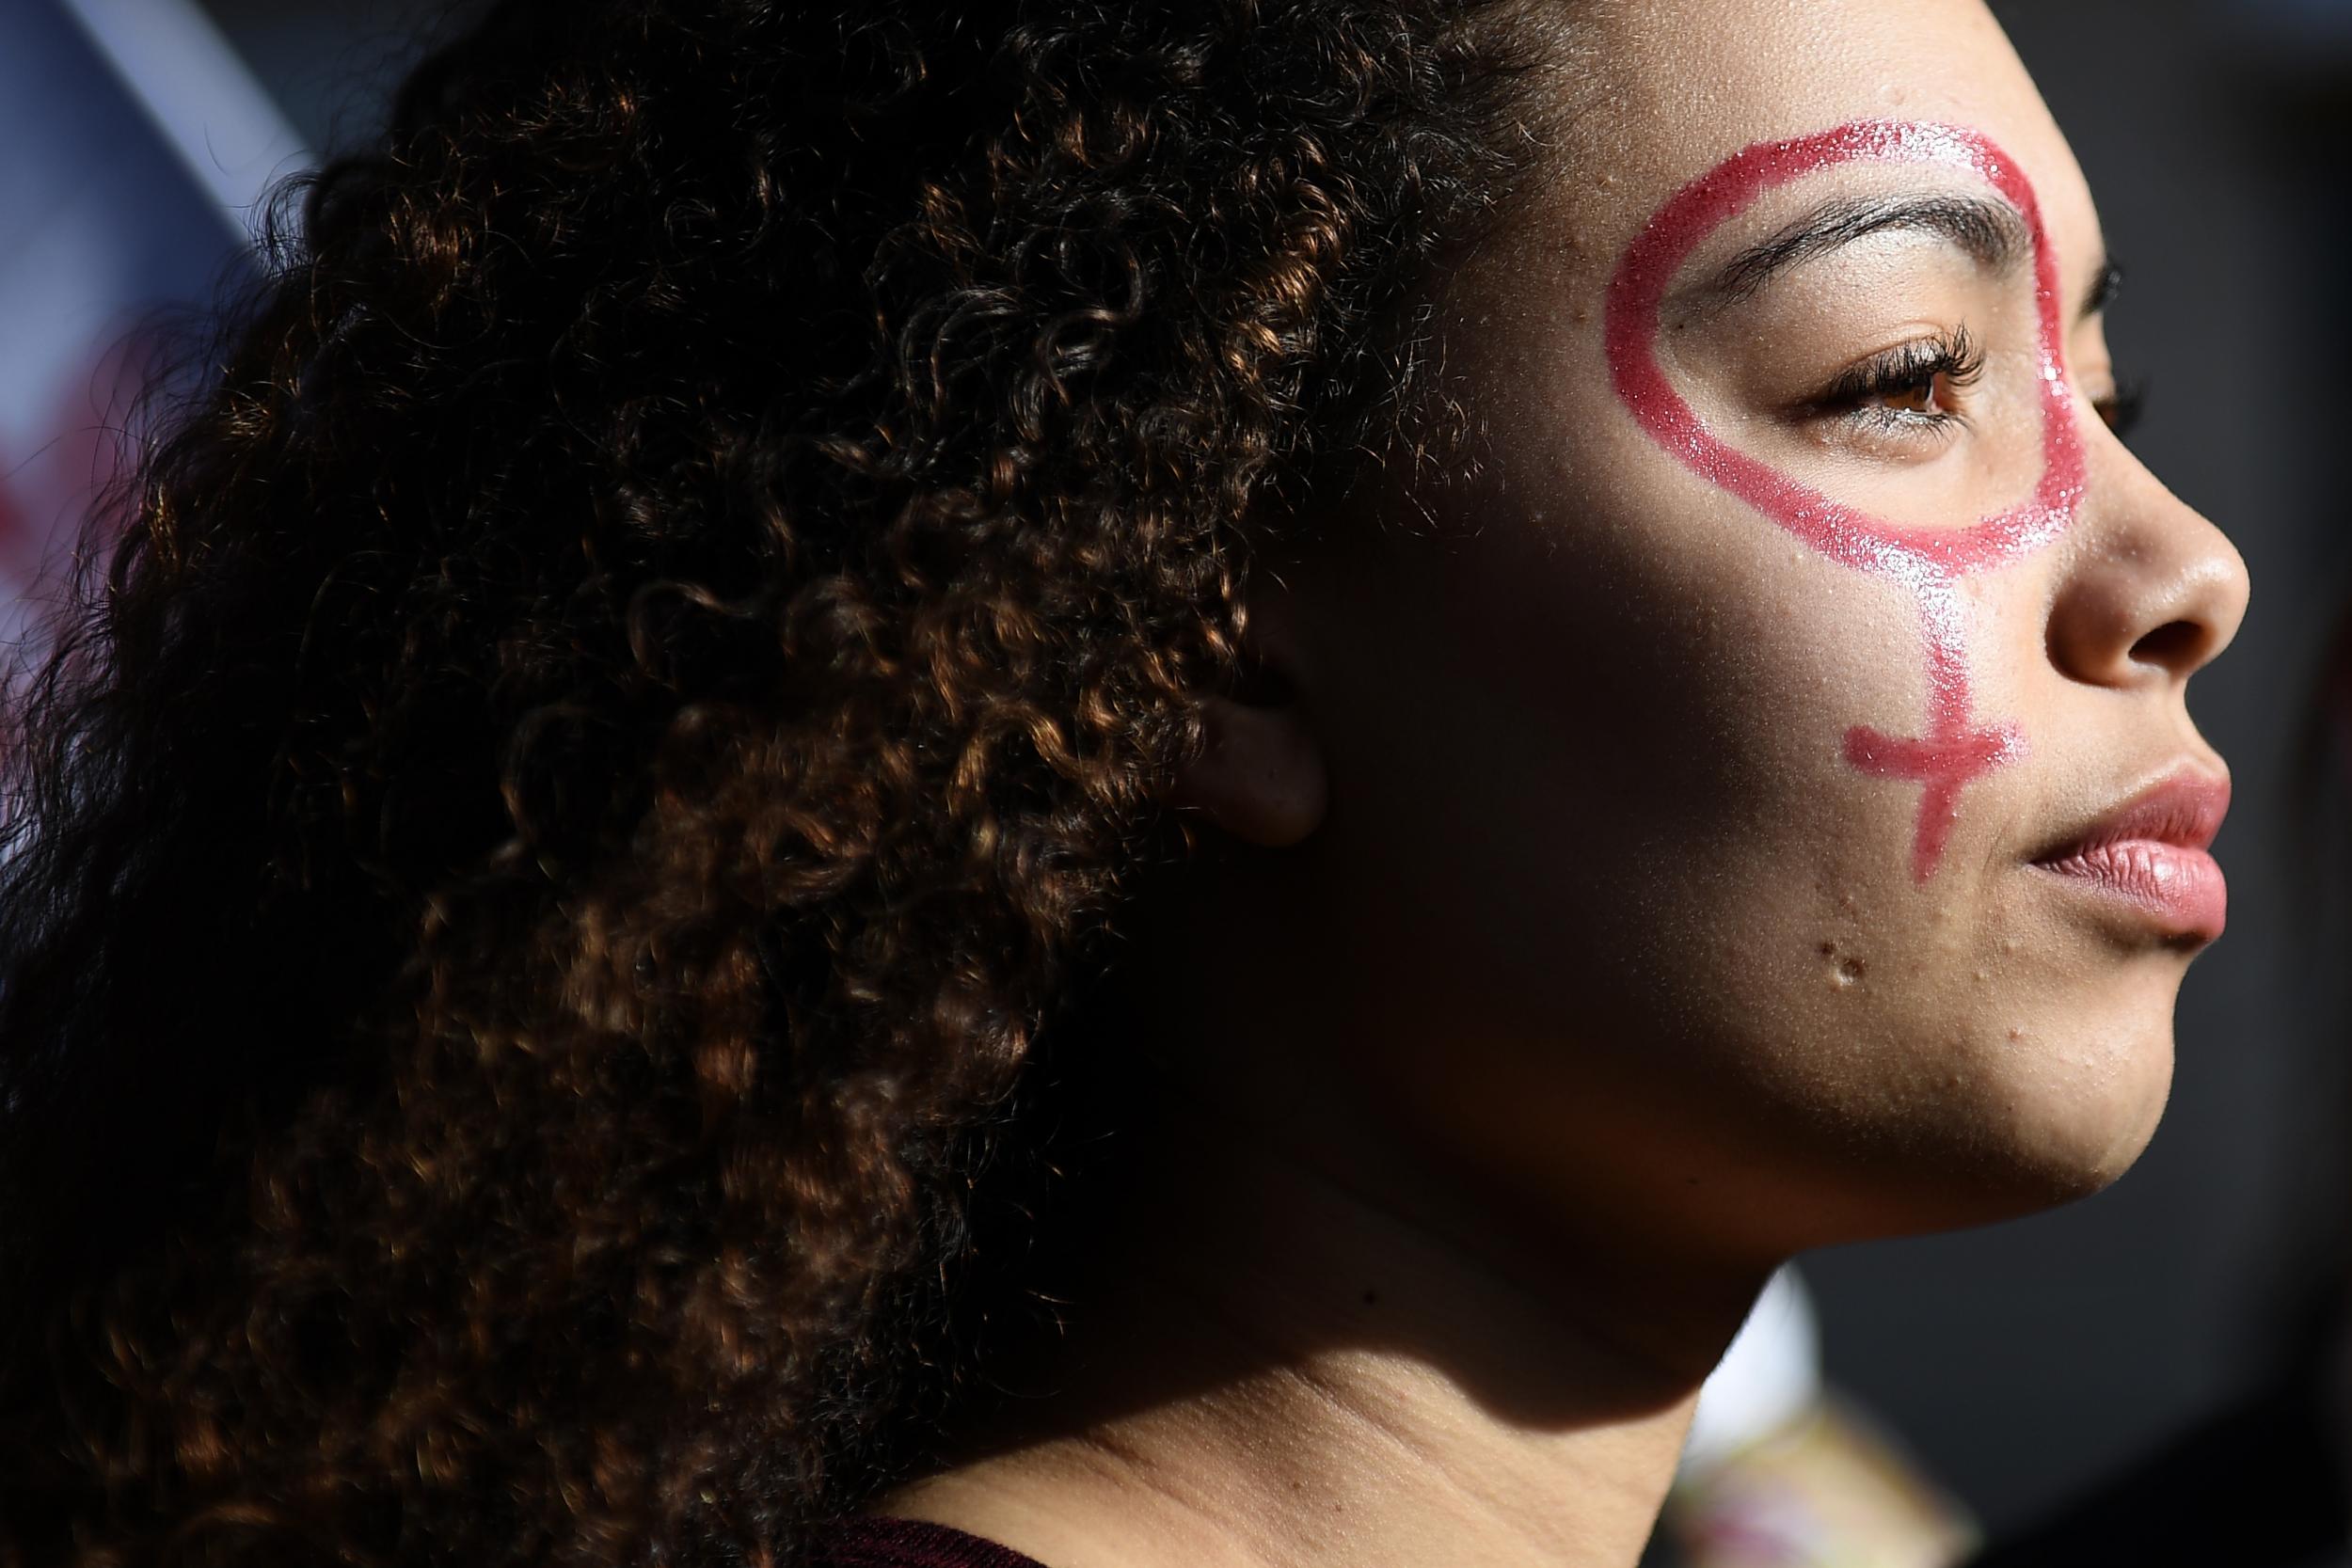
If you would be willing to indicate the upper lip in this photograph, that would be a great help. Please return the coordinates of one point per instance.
(2184, 809)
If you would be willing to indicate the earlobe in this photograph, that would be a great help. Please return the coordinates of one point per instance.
(1261, 775)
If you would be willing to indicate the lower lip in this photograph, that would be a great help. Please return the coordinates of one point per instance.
(2181, 888)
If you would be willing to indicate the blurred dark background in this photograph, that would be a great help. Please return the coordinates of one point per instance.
(2025, 1361)
(2020, 1363)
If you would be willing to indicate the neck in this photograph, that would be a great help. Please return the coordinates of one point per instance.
(1291, 1368)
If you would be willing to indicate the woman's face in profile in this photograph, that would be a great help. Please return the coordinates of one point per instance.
(1741, 765)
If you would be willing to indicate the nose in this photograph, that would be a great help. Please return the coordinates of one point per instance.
(2151, 590)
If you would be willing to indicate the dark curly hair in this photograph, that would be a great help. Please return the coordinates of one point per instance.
(622, 713)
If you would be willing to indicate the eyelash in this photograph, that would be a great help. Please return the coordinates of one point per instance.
(2121, 412)
(1935, 365)
(1931, 365)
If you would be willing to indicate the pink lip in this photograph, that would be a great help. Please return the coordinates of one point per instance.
(2151, 853)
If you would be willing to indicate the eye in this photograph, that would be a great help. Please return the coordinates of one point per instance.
(1925, 394)
(2122, 408)
(1918, 386)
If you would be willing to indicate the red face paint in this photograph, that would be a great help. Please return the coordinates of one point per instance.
(1926, 562)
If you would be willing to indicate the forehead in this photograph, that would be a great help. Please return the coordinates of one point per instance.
(1647, 94)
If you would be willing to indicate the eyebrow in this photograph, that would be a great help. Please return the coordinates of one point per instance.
(1990, 232)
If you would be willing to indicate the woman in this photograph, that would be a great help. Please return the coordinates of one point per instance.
(1484, 666)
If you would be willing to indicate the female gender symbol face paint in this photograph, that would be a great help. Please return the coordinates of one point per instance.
(1955, 748)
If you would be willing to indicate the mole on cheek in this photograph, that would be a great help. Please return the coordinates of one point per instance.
(1845, 969)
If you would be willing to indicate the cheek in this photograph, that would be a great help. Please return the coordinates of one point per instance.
(1594, 826)
(1634, 689)
(1601, 751)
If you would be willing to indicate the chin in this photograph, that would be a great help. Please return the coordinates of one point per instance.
(2060, 1120)
(2096, 1135)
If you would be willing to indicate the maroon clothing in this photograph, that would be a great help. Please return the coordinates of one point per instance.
(908, 1543)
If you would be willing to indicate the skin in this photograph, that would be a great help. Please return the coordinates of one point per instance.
(1569, 977)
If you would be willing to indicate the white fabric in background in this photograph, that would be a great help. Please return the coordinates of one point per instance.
(1770, 1375)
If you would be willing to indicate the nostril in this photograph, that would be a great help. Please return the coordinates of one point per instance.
(2176, 645)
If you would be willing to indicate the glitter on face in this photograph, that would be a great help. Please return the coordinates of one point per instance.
(1928, 564)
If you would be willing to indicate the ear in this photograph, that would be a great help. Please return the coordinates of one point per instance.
(1261, 776)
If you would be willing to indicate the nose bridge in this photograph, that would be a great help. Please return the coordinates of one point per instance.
(2152, 590)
